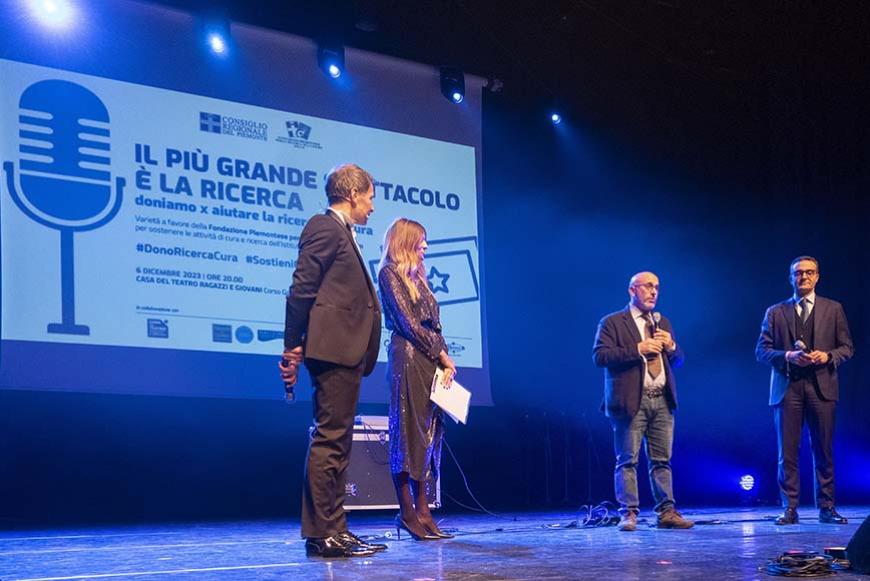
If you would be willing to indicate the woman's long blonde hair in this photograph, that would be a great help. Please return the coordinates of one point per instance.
(400, 249)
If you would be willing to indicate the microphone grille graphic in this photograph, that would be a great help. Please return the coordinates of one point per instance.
(64, 178)
(64, 174)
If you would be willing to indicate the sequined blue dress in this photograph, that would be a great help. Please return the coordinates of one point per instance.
(416, 424)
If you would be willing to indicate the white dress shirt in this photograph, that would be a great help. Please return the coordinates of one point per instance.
(641, 319)
(811, 302)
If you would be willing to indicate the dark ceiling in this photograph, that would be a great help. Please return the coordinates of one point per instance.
(565, 47)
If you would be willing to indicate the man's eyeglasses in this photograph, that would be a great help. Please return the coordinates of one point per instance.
(649, 286)
(800, 273)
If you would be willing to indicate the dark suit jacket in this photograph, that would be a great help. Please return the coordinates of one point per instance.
(616, 351)
(830, 334)
(332, 306)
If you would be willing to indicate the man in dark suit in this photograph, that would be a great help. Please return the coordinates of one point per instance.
(804, 340)
(637, 350)
(333, 322)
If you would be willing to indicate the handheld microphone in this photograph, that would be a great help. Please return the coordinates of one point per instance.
(64, 180)
(799, 345)
(657, 318)
(289, 392)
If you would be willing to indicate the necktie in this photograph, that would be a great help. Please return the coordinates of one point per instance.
(805, 310)
(653, 360)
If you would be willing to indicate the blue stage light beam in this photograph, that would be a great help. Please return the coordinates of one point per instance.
(53, 13)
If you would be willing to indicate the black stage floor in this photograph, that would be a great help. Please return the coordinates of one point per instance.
(534, 546)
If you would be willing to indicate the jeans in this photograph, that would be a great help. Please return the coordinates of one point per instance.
(654, 425)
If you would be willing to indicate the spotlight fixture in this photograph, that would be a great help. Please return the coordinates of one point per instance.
(215, 27)
(330, 58)
(53, 13)
(217, 43)
(555, 118)
(747, 482)
(452, 84)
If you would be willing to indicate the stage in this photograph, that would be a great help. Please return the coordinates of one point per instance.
(736, 544)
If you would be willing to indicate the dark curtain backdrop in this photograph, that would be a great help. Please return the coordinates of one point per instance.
(713, 184)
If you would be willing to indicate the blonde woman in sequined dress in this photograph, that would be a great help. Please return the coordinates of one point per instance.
(416, 350)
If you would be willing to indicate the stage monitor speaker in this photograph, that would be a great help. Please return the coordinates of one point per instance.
(369, 483)
(858, 550)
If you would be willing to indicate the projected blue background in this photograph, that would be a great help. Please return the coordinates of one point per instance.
(188, 279)
(715, 191)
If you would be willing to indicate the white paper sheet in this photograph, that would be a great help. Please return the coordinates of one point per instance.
(454, 400)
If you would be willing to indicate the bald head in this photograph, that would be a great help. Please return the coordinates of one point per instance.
(643, 288)
(643, 277)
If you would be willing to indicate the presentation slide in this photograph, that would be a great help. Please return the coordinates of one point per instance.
(137, 220)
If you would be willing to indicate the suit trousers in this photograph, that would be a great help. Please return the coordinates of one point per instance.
(653, 425)
(336, 393)
(803, 403)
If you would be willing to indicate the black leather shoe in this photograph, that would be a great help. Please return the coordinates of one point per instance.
(349, 537)
(831, 516)
(334, 547)
(789, 517)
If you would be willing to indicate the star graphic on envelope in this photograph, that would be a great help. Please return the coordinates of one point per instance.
(441, 284)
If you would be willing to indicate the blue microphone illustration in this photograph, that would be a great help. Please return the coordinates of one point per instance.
(64, 179)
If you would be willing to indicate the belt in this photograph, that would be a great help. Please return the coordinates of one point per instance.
(654, 393)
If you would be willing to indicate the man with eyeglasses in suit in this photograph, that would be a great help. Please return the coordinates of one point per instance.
(805, 339)
(636, 348)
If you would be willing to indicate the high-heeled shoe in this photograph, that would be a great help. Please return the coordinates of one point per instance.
(402, 525)
(433, 529)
